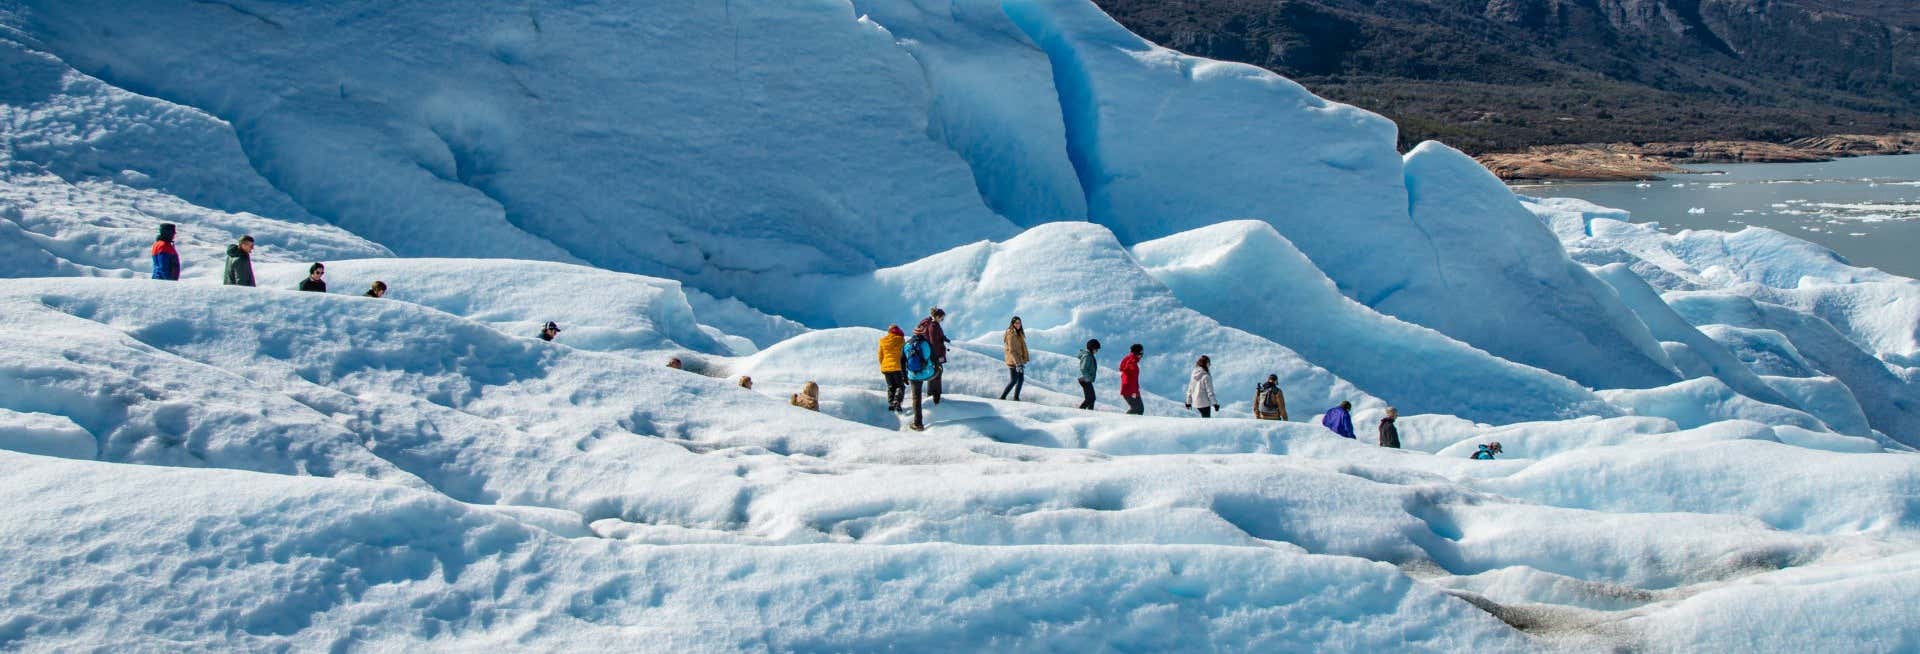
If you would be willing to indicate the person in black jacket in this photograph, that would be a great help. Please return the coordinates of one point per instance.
(1390, 434)
(379, 289)
(315, 279)
(239, 270)
(549, 331)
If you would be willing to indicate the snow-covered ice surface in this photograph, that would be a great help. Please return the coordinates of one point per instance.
(1705, 433)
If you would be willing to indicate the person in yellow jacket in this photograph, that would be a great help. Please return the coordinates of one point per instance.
(1016, 356)
(891, 346)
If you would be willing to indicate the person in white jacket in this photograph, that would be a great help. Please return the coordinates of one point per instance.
(1200, 389)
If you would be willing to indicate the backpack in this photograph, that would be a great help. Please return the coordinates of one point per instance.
(917, 355)
(1268, 401)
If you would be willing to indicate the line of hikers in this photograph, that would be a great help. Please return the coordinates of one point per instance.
(239, 268)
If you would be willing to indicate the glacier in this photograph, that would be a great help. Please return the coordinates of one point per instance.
(1705, 432)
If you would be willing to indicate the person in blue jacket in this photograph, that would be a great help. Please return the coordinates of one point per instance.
(1487, 450)
(918, 359)
(166, 260)
(1340, 419)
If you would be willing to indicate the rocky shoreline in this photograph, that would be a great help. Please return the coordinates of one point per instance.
(1651, 161)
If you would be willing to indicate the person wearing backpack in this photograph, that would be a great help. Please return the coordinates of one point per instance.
(1268, 402)
(1486, 451)
(166, 260)
(1340, 419)
(1200, 388)
(892, 352)
(1130, 380)
(1088, 368)
(937, 340)
(1016, 355)
(919, 364)
(1390, 433)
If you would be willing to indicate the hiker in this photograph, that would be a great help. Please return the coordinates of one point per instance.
(1088, 366)
(808, 398)
(379, 289)
(314, 281)
(892, 350)
(548, 332)
(1016, 355)
(1389, 433)
(1340, 419)
(1130, 380)
(1268, 402)
(936, 339)
(239, 270)
(674, 363)
(746, 382)
(918, 362)
(1200, 388)
(166, 260)
(1487, 450)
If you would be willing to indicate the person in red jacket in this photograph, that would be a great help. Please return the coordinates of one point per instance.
(166, 260)
(1130, 381)
(937, 338)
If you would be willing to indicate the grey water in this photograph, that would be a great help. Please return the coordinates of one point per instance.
(1866, 209)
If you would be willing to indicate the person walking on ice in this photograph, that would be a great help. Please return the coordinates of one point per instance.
(166, 260)
(1130, 380)
(1200, 389)
(1486, 451)
(1016, 355)
(1268, 402)
(918, 362)
(239, 271)
(1390, 433)
(316, 279)
(937, 339)
(808, 398)
(1340, 419)
(892, 350)
(1088, 368)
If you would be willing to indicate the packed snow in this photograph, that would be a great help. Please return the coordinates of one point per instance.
(1703, 434)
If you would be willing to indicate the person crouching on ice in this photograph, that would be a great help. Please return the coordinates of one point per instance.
(1487, 450)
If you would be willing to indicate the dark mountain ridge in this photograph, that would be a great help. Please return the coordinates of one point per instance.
(1503, 75)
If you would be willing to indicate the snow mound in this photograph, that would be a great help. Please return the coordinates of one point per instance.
(1246, 275)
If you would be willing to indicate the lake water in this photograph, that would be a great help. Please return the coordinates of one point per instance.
(1867, 209)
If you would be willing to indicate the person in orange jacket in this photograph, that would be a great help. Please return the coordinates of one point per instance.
(891, 346)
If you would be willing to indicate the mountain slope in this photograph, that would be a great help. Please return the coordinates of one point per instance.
(1500, 75)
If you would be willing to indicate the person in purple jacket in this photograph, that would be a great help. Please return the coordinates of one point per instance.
(1340, 419)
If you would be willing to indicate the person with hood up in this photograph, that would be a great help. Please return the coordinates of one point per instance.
(548, 332)
(1268, 402)
(918, 362)
(316, 279)
(166, 260)
(892, 350)
(379, 289)
(1200, 388)
(1486, 451)
(1340, 419)
(808, 398)
(1016, 356)
(1130, 380)
(1088, 368)
(1390, 433)
(937, 339)
(239, 270)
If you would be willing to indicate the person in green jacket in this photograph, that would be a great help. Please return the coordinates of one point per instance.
(1088, 366)
(239, 270)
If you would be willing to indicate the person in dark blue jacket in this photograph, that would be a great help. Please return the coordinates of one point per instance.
(166, 260)
(1340, 419)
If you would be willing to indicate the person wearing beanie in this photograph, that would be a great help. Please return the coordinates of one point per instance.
(166, 260)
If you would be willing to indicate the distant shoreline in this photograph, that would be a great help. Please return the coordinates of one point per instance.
(1622, 162)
